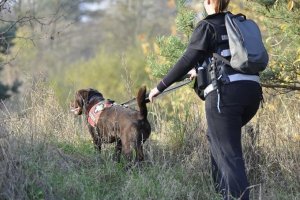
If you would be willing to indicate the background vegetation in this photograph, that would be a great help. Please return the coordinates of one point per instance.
(51, 48)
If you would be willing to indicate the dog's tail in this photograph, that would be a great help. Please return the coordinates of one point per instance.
(141, 101)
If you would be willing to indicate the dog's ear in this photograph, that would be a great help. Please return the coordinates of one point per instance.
(81, 96)
(94, 92)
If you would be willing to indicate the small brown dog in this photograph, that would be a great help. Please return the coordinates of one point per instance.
(109, 122)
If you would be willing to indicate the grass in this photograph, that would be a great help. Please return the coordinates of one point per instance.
(45, 153)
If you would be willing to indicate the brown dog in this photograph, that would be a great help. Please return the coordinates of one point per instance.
(109, 122)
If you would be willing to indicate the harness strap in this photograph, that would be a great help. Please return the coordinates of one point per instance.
(93, 114)
(233, 78)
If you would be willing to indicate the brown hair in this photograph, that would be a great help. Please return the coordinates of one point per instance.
(221, 5)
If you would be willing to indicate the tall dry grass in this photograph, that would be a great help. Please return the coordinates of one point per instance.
(45, 153)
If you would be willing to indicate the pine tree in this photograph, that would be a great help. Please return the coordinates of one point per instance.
(169, 48)
(281, 27)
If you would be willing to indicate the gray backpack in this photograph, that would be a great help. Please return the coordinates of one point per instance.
(248, 53)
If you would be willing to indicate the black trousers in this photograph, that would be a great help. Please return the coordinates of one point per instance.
(238, 103)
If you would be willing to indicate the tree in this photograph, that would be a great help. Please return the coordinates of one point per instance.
(7, 33)
(120, 63)
(129, 20)
(39, 19)
(281, 19)
(168, 49)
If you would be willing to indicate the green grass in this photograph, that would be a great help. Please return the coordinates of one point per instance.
(76, 171)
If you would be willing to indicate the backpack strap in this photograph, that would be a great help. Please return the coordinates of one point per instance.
(239, 15)
(221, 46)
(221, 58)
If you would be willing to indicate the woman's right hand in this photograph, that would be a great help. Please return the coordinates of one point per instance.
(153, 93)
(192, 73)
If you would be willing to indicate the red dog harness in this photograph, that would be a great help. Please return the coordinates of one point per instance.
(95, 111)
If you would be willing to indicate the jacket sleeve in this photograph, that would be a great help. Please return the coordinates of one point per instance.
(188, 60)
(202, 37)
(197, 50)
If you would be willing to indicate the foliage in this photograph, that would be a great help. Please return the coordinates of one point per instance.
(7, 34)
(281, 21)
(7, 90)
(59, 46)
(4, 91)
(110, 73)
(49, 11)
(170, 48)
(185, 19)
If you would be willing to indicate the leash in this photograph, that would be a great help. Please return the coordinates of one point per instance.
(184, 81)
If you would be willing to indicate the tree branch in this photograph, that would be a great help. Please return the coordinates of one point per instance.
(2, 2)
(275, 86)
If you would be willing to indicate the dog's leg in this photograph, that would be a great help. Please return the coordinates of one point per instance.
(96, 138)
(139, 146)
(126, 151)
(139, 153)
(118, 150)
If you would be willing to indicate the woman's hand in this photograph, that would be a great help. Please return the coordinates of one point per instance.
(192, 73)
(153, 93)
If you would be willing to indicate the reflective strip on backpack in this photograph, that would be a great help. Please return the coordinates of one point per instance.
(224, 37)
(225, 53)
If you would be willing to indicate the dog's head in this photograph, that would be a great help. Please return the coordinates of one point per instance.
(83, 98)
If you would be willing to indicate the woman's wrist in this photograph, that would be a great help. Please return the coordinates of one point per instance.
(161, 86)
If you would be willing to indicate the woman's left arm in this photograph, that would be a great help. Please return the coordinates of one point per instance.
(187, 62)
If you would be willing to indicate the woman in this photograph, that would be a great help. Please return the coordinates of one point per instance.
(228, 109)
